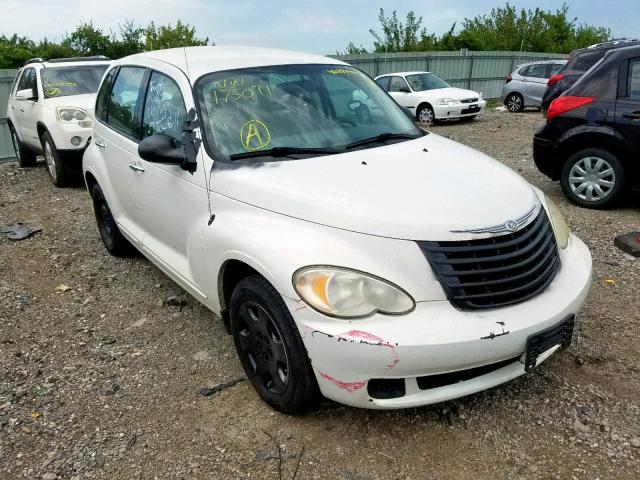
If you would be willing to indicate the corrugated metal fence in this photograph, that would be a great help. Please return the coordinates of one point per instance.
(6, 149)
(480, 71)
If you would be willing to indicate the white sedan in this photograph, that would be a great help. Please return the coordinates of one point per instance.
(430, 98)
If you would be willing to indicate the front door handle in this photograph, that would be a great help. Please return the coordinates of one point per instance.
(136, 167)
(98, 143)
(632, 115)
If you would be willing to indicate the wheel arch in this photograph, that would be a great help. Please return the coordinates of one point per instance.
(41, 128)
(231, 272)
(604, 139)
(422, 104)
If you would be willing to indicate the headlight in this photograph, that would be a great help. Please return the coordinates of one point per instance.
(447, 101)
(560, 227)
(344, 293)
(73, 115)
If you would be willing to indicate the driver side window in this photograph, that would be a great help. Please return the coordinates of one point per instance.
(164, 110)
(398, 84)
(28, 81)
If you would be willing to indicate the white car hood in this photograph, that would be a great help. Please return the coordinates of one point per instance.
(415, 190)
(449, 92)
(86, 102)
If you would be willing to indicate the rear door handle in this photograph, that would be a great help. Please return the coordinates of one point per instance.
(136, 167)
(98, 143)
(632, 115)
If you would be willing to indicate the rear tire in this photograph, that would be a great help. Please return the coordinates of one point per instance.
(593, 178)
(514, 102)
(57, 168)
(115, 243)
(270, 347)
(26, 158)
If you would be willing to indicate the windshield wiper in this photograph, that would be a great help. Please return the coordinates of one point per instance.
(281, 152)
(381, 138)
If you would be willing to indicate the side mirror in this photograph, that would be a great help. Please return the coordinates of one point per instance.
(161, 148)
(26, 94)
(405, 90)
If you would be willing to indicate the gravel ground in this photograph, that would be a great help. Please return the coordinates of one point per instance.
(101, 369)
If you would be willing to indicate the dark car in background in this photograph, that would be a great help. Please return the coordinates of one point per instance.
(591, 140)
(579, 62)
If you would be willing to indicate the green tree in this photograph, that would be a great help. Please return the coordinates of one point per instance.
(87, 39)
(130, 40)
(166, 36)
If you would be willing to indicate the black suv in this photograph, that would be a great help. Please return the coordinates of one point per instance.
(579, 62)
(591, 140)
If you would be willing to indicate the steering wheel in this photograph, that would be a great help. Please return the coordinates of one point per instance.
(354, 105)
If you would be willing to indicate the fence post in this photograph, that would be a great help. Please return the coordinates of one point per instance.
(470, 75)
(376, 66)
(428, 62)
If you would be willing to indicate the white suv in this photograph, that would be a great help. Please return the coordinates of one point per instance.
(352, 255)
(50, 112)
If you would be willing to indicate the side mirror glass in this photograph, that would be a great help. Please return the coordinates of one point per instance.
(161, 148)
(26, 94)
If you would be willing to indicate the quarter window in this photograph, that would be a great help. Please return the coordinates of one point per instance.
(102, 102)
(124, 99)
(383, 82)
(397, 84)
(28, 81)
(164, 110)
(634, 80)
(537, 70)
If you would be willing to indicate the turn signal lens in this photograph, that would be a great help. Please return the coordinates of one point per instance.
(560, 227)
(344, 293)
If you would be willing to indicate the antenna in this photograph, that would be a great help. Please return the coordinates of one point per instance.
(207, 180)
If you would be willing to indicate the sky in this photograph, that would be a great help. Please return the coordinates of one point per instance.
(317, 27)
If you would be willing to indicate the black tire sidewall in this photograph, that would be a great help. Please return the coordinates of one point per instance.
(115, 243)
(612, 159)
(301, 393)
(521, 102)
(25, 157)
(61, 179)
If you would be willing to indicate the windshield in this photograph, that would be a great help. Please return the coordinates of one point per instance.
(426, 81)
(319, 107)
(76, 80)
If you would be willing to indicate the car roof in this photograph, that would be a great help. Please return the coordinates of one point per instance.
(66, 62)
(402, 74)
(207, 59)
(616, 43)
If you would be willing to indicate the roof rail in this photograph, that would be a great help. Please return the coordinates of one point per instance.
(34, 60)
(95, 58)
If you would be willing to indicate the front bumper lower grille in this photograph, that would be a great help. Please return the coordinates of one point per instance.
(497, 271)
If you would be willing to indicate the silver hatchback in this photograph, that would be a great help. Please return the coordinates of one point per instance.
(526, 85)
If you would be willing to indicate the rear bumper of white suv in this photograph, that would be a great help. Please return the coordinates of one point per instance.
(399, 361)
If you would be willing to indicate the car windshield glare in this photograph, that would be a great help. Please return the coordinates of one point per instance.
(426, 81)
(76, 80)
(314, 107)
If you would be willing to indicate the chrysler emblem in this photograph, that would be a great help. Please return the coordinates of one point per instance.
(508, 226)
(511, 225)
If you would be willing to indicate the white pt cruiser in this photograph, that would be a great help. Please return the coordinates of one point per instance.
(351, 256)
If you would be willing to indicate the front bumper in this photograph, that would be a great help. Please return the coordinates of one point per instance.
(62, 133)
(459, 110)
(436, 339)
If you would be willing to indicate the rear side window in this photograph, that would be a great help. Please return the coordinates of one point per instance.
(584, 61)
(383, 82)
(554, 68)
(124, 99)
(102, 102)
(538, 70)
(164, 110)
(634, 79)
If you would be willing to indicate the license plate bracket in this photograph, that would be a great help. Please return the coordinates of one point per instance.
(559, 334)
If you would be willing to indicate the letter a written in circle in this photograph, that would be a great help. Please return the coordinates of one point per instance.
(254, 135)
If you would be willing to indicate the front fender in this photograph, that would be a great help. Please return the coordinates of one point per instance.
(276, 246)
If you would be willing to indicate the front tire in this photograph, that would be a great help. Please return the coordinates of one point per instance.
(270, 347)
(26, 158)
(56, 167)
(425, 114)
(593, 178)
(514, 102)
(115, 243)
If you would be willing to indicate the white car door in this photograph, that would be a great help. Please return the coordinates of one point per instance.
(400, 91)
(173, 201)
(26, 111)
(116, 137)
